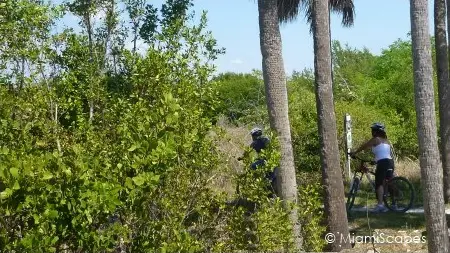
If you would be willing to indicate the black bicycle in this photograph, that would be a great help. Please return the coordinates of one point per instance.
(398, 191)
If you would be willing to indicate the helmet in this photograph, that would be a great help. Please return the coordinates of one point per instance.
(256, 132)
(378, 126)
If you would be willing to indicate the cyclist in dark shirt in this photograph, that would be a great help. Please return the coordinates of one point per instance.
(259, 143)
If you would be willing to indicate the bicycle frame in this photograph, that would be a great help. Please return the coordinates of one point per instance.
(365, 171)
(390, 190)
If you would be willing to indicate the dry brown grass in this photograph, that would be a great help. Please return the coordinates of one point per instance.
(408, 226)
(230, 141)
(408, 168)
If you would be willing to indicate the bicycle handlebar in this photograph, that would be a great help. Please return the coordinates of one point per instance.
(362, 160)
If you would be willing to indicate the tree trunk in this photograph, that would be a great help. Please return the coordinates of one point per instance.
(331, 171)
(91, 59)
(135, 35)
(58, 143)
(277, 104)
(443, 89)
(430, 164)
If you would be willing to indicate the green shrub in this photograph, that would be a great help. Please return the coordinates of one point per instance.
(311, 214)
(135, 177)
(242, 95)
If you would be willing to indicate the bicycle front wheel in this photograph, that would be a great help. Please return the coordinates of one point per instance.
(399, 195)
(352, 193)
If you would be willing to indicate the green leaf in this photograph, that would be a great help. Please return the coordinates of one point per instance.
(16, 185)
(14, 172)
(129, 183)
(4, 151)
(52, 214)
(2, 169)
(139, 180)
(6, 193)
(155, 178)
(132, 148)
(47, 175)
(55, 239)
(36, 218)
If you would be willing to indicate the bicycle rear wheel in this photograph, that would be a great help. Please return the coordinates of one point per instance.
(399, 195)
(352, 193)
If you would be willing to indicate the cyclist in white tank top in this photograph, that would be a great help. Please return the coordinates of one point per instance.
(381, 148)
(382, 151)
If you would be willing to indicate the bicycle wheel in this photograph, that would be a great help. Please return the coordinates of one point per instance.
(352, 193)
(399, 196)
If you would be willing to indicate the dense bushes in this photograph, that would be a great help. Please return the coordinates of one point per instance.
(102, 148)
(136, 173)
(97, 157)
(370, 88)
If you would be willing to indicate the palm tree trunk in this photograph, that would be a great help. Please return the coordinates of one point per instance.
(443, 88)
(430, 164)
(277, 104)
(331, 171)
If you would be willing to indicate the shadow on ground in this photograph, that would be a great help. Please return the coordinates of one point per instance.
(389, 220)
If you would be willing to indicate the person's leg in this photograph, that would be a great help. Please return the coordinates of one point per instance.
(391, 189)
(380, 175)
(380, 192)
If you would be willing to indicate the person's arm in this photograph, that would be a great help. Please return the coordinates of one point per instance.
(246, 152)
(365, 146)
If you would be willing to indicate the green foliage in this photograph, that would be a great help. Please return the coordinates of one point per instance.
(370, 88)
(24, 36)
(135, 177)
(311, 214)
(242, 96)
(303, 118)
(259, 222)
(103, 148)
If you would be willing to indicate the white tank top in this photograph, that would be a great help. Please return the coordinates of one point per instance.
(382, 151)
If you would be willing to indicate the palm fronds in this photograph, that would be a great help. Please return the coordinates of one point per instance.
(288, 10)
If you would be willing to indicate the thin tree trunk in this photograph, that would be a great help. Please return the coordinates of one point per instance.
(58, 143)
(331, 171)
(443, 88)
(277, 105)
(135, 35)
(22, 77)
(91, 59)
(109, 31)
(430, 163)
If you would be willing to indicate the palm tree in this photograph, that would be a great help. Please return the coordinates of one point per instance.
(289, 9)
(430, 164)
(318, 14)
(277, 105)
(443, 88)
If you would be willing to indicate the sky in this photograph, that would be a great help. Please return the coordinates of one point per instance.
(234, 23)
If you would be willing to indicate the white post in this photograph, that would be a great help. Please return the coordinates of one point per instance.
(348, 142)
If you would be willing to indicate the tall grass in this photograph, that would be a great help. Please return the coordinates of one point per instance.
(410, 169)
(231, 141)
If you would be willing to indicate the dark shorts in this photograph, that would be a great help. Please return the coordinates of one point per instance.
(385, 170)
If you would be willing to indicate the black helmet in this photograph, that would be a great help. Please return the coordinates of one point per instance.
(378, 127)
(255, 132)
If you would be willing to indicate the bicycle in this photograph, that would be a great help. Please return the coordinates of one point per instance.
(396, 189)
